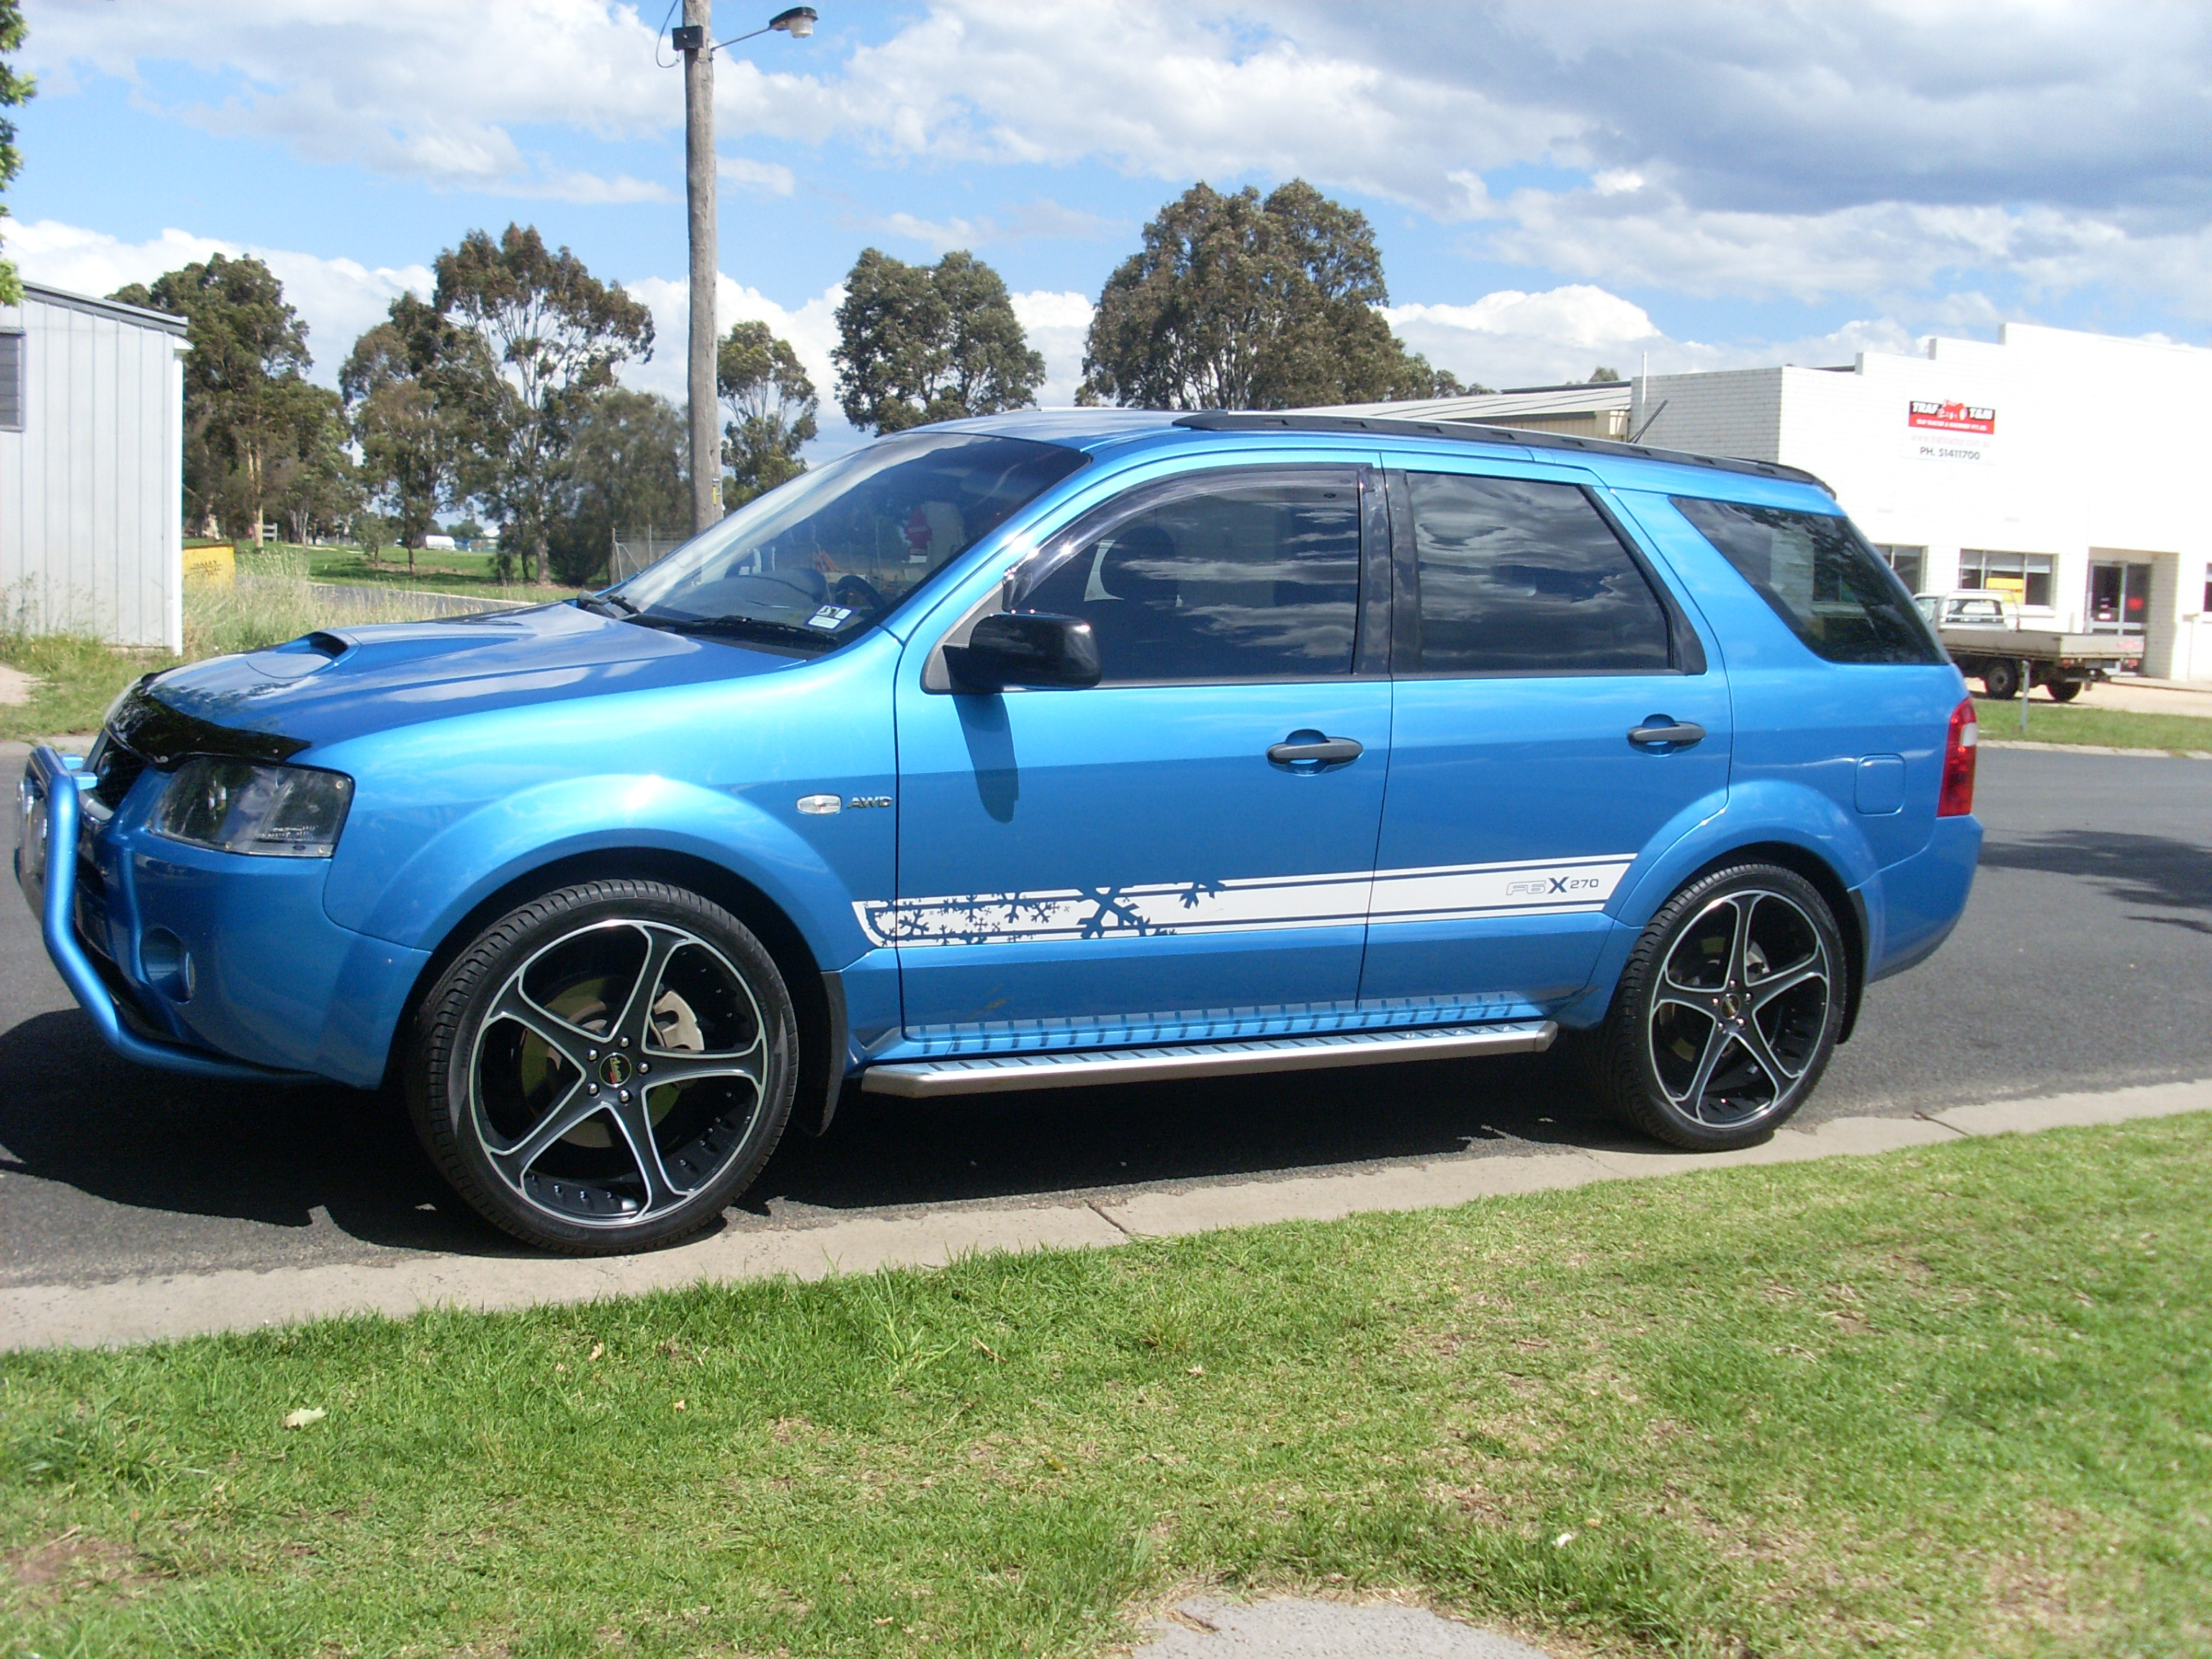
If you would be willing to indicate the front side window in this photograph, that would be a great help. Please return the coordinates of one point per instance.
(1250, 574)
(1818, 575)
(818, 561)
(1520, 576)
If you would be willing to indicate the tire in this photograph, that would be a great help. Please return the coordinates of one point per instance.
(2062, 690)
(552, 1132)
(1707, 1045)
(2001, 680)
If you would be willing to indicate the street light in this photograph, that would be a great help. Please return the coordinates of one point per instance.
(699, 188)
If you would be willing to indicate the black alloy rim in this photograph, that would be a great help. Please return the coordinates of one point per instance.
(1739, 1009)
(619, 1071)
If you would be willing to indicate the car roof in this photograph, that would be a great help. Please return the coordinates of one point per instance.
(1092, 429)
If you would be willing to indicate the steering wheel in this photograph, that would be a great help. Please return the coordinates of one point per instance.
(857, 592)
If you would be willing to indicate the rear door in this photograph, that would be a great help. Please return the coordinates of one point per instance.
(1539, 665)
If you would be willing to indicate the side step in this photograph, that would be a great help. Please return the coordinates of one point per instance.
(973, 1074)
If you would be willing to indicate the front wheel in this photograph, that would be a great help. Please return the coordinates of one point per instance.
(2000, 679)
(605, 1068)
(1727, 1011)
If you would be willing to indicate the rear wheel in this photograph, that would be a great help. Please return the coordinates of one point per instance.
(2000, 679)
(2062, 690)
(1727, 1011)
(605, 1068)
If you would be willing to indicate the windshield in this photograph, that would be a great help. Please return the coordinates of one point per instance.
(822, 558)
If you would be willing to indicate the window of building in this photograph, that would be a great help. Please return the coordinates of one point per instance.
(1522, 577)
(1911, 563)
(1252, 575)
(11, 381)
(2026, 576)
(1816, 574)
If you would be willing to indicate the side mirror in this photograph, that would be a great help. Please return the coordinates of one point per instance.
(1024, 647)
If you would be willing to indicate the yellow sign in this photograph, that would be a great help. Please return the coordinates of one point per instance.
(218, 563)
(2013, 587)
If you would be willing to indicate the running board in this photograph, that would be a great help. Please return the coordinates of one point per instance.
(974, 1074)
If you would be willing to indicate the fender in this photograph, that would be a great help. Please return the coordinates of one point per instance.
(451, 874)
(1762, 812)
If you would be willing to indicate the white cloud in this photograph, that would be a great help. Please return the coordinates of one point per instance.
(767, 177)
(338, 299)
(1788, 150)
(1057, 325)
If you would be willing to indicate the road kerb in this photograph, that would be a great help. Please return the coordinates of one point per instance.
(187, 1304)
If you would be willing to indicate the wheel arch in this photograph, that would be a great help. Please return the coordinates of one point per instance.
(815, 996)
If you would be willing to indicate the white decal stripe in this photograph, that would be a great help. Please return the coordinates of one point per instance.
(1433, 894)
(1258, 904)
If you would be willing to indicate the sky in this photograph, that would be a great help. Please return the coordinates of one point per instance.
(1553, 187)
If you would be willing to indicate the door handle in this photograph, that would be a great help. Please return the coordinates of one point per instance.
(1675, 734)
(1325, 752)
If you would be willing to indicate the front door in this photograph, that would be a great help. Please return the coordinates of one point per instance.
(1126, 863)
(1532, 642)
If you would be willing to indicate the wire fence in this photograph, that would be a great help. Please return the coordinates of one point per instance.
(633, 549)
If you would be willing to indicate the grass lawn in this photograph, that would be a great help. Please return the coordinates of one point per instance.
(1956, 1400)
(441, 572)
(2073, 723)
(77, 679)
(269, 603)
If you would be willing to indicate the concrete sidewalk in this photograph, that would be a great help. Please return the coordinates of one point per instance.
(1207, 1629)
(186, 1304)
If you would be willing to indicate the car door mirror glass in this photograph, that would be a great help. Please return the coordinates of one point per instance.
(1026, 648)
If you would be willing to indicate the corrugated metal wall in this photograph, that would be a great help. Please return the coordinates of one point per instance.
(91, 487)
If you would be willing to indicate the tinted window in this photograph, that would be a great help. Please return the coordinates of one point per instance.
(1239, 576)
(1820, 578)
(1521, 577)
(817, 560)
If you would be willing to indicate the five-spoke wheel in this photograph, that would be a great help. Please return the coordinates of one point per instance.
(1728, 1010)
(605, 1067)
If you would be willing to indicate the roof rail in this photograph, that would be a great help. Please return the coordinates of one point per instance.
(1239, 420)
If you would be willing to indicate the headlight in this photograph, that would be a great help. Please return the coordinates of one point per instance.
(236, 806)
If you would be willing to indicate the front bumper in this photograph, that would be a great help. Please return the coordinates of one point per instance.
(213, 965)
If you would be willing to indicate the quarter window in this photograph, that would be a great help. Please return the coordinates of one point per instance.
(1252, 575)
(1820, 577)
(1519, 576)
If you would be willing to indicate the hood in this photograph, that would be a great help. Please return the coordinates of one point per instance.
(341, 683)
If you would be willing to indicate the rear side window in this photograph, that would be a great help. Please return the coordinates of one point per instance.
(1820, 578)
(1251, 575)
(1518, 576)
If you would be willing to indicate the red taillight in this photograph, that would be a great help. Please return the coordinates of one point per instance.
(1957, 799)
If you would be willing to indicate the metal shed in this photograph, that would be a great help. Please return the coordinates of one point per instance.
(92, 428)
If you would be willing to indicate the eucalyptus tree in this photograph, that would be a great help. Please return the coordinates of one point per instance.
(405, 383)
(771, 402)
(1241, 302)
(250, 410)
(917, 344)
(542, 337)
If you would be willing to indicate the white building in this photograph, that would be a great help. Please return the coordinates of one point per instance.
(2057, 465)
(92, 424)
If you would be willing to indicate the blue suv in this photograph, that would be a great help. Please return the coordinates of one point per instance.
(1041, 750)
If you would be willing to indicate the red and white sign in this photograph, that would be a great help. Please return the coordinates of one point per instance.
(1927, 413)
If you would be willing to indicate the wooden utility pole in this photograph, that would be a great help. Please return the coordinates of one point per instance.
(699, 183)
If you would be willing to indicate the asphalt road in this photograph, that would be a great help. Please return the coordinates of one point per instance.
(2083, 962)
